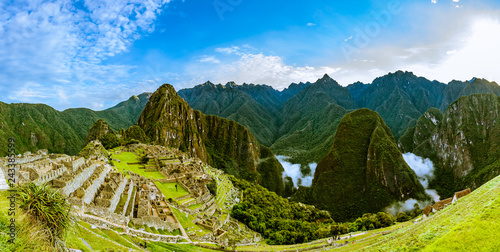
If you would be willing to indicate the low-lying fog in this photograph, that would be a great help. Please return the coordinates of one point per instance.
(300, 175)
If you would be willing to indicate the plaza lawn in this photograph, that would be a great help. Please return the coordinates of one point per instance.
(188, 225)
(168, 190)
(129, 157)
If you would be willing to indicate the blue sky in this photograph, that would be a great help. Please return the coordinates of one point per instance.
(96, 53)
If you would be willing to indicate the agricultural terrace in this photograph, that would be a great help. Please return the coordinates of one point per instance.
(128, 161)
(224, 185)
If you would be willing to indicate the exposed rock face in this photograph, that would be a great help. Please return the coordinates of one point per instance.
(364, 171)
(168, 120)
(464, 145)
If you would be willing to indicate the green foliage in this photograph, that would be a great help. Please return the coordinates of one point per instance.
(402, 217)
(110, 141)
(364, 171)
(135, 133)
(46, 206)
(277, 219)
(144, 159)
(212, 187)
(60, 132)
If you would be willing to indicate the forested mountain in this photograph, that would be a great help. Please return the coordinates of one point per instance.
(38, 126)
(364, 172)
(463, 143)
(300, 121)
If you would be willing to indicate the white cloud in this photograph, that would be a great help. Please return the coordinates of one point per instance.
(209, 59)
(311, 24)
(51, 42)
(255, 68)
(477, 55)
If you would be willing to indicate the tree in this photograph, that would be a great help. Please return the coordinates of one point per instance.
(110, 141)
(144, 159)
(402, 217)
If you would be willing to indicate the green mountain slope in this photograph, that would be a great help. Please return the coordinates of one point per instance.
(463, 145)
(309, 118)
(471, 224)
(168, 120)
(364, 171)
(232, 103)
(399, 98)
(38, 126)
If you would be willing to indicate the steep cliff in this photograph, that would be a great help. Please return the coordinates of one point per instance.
(464, 144)
(168, 120)
(364, 171)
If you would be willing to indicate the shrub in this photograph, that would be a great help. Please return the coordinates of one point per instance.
(46, 206)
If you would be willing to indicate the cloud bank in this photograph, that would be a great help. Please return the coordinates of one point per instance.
(294, 171)
(424, 169)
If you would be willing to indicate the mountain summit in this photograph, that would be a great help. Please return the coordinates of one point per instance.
(364, 171)
(168, 120)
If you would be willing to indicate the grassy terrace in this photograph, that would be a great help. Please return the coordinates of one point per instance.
(168, 190)
(224, 185)
(188, 225)
(129, 157)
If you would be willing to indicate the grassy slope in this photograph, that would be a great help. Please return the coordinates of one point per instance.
(129, 157)
(471, 224)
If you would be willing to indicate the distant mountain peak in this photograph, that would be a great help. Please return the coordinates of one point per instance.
(231, 84)
(325, 78)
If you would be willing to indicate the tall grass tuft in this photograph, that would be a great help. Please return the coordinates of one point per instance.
(47, 207)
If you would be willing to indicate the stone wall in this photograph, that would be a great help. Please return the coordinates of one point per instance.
(75, 163)
(27, 159)
(51, 175)
(156, 237)
(92, 190)
(133, 204)
(78, 180)
(103, 213)
(130, 191)
(152, 221)
(118, 195)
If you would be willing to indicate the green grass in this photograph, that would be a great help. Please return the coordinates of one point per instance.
(471, 224)
(119, 239)
(97, 242)
(161, 247)
(184, 201)
(187, 223)
(121, 204)
(195, 206)
(129, 157)
(168, 190)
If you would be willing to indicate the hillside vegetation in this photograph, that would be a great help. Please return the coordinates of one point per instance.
(471, 224)
(38, 126)
(364, 171)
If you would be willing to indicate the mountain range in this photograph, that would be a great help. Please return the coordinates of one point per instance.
(300, 121)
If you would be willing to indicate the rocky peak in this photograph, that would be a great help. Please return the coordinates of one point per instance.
(168, 120)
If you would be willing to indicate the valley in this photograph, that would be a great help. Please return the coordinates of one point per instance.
(183, 180)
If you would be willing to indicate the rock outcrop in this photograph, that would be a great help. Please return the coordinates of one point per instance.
(464, 144)
(168, 120)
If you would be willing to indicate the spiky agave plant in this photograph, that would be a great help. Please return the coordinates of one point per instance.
(46, 206)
